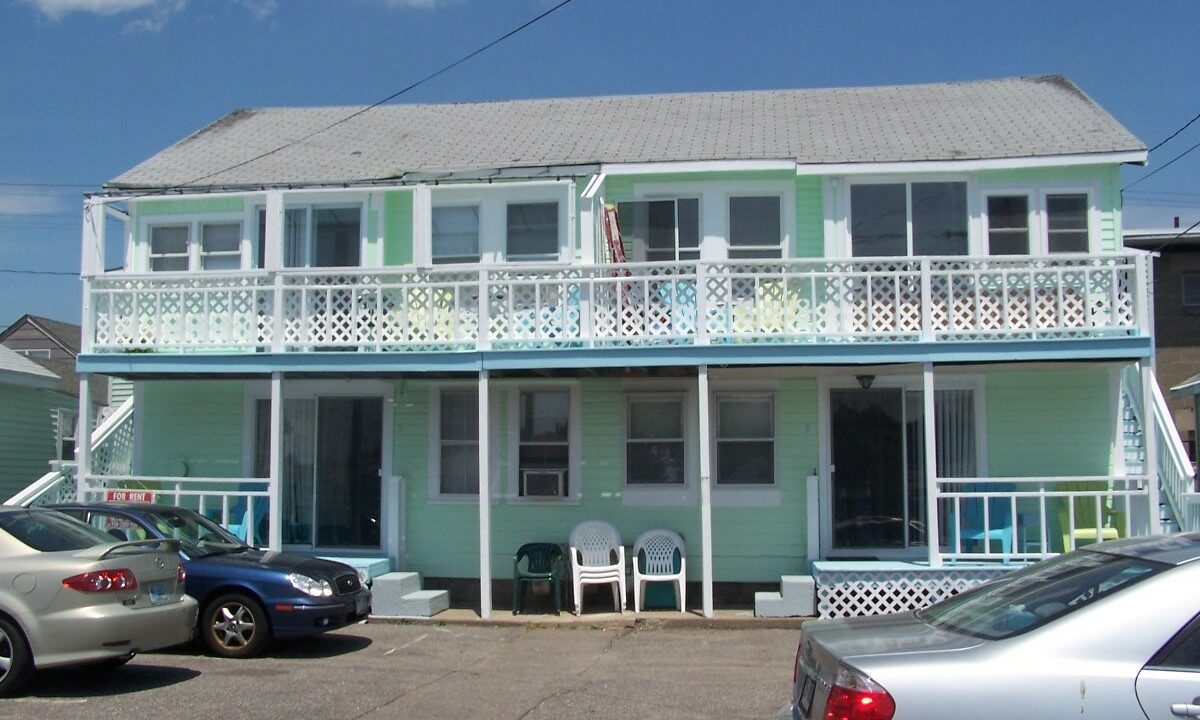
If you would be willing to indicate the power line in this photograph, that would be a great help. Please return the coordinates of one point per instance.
(1160, 168)
(370, 107)
(54, 185)
(15, 271)
(1171, 137)
(1175, 237)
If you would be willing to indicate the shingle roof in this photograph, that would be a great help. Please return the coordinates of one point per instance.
(1007, 118)
(13, 365)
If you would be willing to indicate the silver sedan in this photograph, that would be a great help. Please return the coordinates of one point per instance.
(1108, 631)
(71, 596)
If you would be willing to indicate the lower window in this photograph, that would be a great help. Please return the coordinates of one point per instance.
(745, 439)
(654, 444)
(544, 445)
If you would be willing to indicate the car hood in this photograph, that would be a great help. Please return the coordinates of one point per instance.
(884, 635)
(286, 562)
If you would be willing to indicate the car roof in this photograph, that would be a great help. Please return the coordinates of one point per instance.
(126, 506)
(1168, 549)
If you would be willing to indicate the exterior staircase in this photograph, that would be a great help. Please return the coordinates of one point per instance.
(796, 598)
(1178, 500)
(399, 595)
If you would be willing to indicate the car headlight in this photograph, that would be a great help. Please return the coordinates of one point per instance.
(310, 586)
(364, 578)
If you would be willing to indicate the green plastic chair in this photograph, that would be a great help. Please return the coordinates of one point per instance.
(543, 563)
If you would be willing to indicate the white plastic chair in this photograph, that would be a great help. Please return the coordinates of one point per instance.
(659, 548)
(597, 558)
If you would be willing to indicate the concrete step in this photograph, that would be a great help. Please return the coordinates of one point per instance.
(796, 598)
(396, 584)
(375, 566)
(796, 585)
(399, 595)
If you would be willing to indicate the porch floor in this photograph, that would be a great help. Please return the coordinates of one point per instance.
(721, 619)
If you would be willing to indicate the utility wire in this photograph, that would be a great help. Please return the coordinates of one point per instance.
(1160, 168)
(53, 185)
(372, 106)
(15, 271)
(1171, 137)
(1175, 237)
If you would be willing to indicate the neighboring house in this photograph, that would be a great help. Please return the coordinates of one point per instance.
(32, 427)
(1176, 316)
(836, 322)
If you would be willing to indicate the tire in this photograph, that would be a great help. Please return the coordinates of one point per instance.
(16, 663)
(235, 626)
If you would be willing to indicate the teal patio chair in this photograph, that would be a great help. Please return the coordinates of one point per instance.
(543, 563)
(971, 529)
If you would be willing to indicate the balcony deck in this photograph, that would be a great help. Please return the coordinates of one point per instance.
(846, 306)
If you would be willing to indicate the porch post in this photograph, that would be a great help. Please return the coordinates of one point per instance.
(275, 488)
(83, 437)
(931, 487)
(706, 553)
(1150, 443)
(485, 505)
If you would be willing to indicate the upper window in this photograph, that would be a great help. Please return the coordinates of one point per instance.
(196, 246)
(654, 440)
(544, 445)
(1008, 224)
(1067, 223)
(662, 230)
(745, 440)
(898, 219)
(316, 236)
(1191, 289)
(459, 442)
(532, 231)
(755, 227)
(456, 234)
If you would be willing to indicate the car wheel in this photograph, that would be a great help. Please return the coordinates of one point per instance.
(16, 665)
(235, 626)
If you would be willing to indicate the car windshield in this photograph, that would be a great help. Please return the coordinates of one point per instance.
(51, 532)
(1029, 598)
(198, 535)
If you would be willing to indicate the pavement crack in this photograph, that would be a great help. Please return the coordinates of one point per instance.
(405, 693)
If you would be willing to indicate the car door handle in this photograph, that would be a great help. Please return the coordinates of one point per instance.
(1185, 710)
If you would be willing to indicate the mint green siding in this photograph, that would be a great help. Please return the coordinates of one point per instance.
(192, 428)
(810, 218)
(398, 227)
(27, 434)
(1049, 422)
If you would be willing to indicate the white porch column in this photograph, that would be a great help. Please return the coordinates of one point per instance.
(273, 237)
(706, 551)
(931, 497)
(1150, 443)
(83, 437)
(275, 489)
(91, 264)
(485, 505)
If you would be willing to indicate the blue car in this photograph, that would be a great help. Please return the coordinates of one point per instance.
(247, 596)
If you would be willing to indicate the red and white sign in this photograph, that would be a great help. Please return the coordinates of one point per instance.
(140, 496)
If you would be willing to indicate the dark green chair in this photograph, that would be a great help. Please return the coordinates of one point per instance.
(543, 562)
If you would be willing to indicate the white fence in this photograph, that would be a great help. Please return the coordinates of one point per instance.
(523, 306)
(1029, 518)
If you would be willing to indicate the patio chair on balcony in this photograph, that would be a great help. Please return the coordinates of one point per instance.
(1086, 530)
(658, 556)
(971, 527)
(597, 558)
(543, 563)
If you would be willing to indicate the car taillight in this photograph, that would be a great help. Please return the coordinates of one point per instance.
(855, 696)
(102, 581)
(181, 574)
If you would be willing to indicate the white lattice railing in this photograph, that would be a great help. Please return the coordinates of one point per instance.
(56, 486)
(1029, 518)
(240, 504)
(538, 306)
(1176, 475)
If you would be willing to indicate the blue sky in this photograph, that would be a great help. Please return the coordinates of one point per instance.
(91, 87)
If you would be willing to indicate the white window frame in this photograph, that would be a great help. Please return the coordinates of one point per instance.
(310, 227)
(575, 478)
(637, 256)
(1032, 219)
(714, 208)
(677, 398)
(201, 254)
(845, 243)
(434, 494)
(1039, 222)
(478, 234)
(743, 396)
(967, 381)
(193, 222)
(783, 234)
(435, 425)
(492, 201)
(66, 427)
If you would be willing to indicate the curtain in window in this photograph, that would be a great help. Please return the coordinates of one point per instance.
(294, 226)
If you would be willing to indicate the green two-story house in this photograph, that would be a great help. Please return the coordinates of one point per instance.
(855, 332)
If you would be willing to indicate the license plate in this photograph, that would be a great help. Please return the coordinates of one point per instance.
(808, 688)
(160, 592)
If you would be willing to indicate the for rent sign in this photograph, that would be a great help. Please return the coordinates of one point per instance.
(144, 496)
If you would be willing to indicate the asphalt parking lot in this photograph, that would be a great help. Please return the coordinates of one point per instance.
(443, 671)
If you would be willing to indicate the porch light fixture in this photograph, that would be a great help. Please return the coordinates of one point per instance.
(865, 381)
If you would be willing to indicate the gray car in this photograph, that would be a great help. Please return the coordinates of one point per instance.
(71, 596)
(1108, 631)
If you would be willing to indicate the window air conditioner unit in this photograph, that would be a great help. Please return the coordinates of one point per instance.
(543, 483)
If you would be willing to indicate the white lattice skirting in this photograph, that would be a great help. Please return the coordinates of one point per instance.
(870, 591)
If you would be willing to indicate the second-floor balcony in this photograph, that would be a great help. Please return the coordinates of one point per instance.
(522, 307)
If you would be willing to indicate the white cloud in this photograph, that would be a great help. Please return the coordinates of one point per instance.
(20, 202)
(155, 14)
